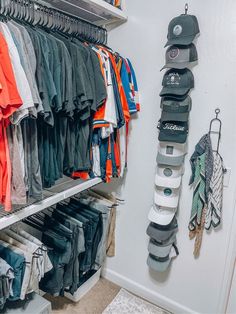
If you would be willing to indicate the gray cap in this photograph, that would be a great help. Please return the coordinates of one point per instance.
(177, 82)
(169, 160)
(179, 57)
(163, 234)
(173, 110)
(159, 250)
(158, 264)
(171, 153)
(176, 106)
(182, 30)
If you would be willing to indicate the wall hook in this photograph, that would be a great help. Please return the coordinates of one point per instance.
(186, 9)
(218, 132)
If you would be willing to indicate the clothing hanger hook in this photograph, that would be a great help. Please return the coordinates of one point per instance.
(186, 9)
(217, 112)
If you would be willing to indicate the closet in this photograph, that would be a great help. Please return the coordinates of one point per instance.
(74, 97)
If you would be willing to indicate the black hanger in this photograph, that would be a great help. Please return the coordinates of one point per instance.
(218, 121)
(36, 14)
(33, 223)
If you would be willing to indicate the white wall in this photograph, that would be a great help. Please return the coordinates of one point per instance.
(231, 308)
(191, 285)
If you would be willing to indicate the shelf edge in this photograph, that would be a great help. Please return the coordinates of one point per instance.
(25, 212)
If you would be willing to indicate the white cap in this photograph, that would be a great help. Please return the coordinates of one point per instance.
(169, 176)
(161, 215)
(171, 153)
(166, 197)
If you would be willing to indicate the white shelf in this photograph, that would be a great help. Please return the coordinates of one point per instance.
(34, 305)
(98, 12)
(25, 212)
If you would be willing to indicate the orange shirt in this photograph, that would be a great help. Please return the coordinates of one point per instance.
(10, 99)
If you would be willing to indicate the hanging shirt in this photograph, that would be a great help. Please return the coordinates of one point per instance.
(31, 58)
(20, 45)
(21, 79)
(10, 99)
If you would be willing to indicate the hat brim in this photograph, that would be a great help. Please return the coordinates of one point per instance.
(175, 116)
(182, 41)
(166, 201)
(163, 217)
(158, 250)
(177, 138)
(176, 97)
(158, 266)
(168, 182)
(180, 65)
(174, 91)
(170, 160)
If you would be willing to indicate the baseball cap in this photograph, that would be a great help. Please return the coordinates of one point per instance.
(163, 234)
(173, 131)
(179, 57)
(174, 110)
(166, 196)
(161, 215)
(159, 250)
(170, 153)
(159, 264)
(182, 30)
(169, 176)
(177, 82)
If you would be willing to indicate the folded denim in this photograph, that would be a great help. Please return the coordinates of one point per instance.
(59, 245)
(105, 211)
(7, 271)
(4, 290)
(54, 225)
(71, 271)
(85, 257)
(44, 263)
(35, 249)
(17, 262)
(23, 250)
(95, 218)
(53, 280)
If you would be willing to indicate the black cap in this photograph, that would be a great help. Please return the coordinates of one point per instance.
(182, 30)
(177, 82)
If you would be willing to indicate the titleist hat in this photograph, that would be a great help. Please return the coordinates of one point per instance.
(173, 131)
(177, 82)
(179, 57)
(182, 30)
(170, 153)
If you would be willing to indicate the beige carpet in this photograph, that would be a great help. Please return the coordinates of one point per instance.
(104, 296)
(94, 302)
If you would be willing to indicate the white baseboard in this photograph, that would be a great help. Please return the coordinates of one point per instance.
(146, 293)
